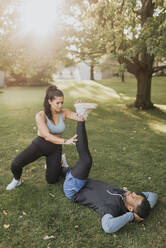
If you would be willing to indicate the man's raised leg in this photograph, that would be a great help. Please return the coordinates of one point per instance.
(83, 165)
(77, 177)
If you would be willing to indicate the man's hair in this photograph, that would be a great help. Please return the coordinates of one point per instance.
(144, 208)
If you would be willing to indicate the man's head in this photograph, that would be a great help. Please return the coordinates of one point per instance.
(137, 204)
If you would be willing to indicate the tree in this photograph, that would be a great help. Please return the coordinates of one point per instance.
(88, 49)
(135, 32)
(83, 39)
(24, 55)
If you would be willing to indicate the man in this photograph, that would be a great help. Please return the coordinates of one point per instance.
(116, 206)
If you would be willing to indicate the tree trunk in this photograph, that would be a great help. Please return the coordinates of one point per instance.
(143, 98)
(91, 72)
(2, 79)
(122, 77)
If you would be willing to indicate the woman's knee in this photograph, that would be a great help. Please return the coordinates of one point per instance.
(15, 164)
(52, 179)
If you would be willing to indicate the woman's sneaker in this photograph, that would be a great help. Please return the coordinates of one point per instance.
(82, 108)
(14, 183)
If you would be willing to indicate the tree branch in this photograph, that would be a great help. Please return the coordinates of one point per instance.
(146, 10)
(87, 53)
(131, 67)
(122, 5)
(158, 68)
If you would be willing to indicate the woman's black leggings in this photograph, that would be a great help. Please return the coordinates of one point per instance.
(38, 148)
(83, 166)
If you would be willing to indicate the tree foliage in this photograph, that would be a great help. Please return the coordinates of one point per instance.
(82, 36)
(135, 32)
(24, 55)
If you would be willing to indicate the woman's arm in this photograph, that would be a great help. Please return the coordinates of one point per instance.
(151, 197)
(45, 133)
(70, 115)
(112, 224)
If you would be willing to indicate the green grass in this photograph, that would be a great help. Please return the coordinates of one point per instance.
(128, 149)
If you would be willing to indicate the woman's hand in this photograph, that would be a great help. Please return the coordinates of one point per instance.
(71, 141)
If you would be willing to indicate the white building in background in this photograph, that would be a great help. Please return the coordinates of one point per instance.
(2, 78)
(78, 72)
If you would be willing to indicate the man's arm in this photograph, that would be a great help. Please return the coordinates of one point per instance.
(151, 197)
(112, 224)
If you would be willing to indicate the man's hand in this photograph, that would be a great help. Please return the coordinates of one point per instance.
(72, 140)
(137, 218)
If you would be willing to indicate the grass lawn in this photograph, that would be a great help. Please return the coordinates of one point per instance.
(128, 148)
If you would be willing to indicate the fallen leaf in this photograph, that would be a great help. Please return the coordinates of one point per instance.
(6, 226)
(51, 195)
(48, 237)
(4, 212)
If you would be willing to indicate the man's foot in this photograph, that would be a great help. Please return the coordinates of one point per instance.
(83, 108)
(14, 183)
(64, 161)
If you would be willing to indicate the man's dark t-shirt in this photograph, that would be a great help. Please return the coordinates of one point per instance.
(102, 197)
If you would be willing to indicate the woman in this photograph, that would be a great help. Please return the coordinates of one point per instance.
(48, 143)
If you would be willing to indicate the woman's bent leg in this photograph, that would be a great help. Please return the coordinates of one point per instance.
(30, 154)
(83, 166)
(54, 168)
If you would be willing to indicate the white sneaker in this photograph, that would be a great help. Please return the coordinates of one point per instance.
(64, 161)
(14, 183)
(83, 108)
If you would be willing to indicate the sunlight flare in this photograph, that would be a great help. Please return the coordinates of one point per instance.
(158, 127)
(39, 16)
(89, 89)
